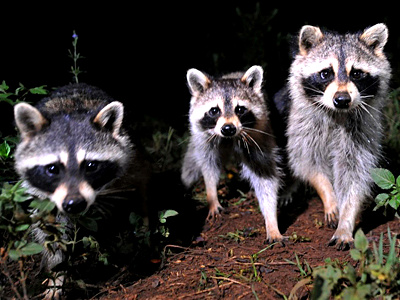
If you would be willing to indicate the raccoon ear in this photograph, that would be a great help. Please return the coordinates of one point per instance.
(253, 78)
(197, 81)
(376, 37)
(29, 119)
(309, 37)
(110, 117)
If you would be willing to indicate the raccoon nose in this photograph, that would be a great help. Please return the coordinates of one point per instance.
(228, 130)
(342, 100)
(74, 205)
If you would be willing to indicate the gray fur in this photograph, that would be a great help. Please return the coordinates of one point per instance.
(75, 124)
(339, 146)
(254, 148)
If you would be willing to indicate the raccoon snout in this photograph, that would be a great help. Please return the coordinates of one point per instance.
(342, 100)
(228, 130)
(74, 205)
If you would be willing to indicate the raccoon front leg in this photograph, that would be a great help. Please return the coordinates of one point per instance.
(191, 171)
(325, 191)
(266, 190)
(352, 183)
(211, 175)
(197, 163)
(348, 212)
(53, 258)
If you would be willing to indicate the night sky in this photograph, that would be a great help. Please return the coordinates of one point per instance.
(140, 54)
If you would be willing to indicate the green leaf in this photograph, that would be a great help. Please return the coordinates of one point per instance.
(394, 202)
(14, 254)
(398, 181)
(381, 199)
(88, 223)
(5, 149)
(31, 249)
(360, 241)
(42, 205)
(355, 254)
(383, 178)
(3, 87)
(22, 227)
(170, 213)
(40, 90)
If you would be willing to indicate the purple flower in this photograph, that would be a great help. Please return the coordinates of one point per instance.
(74, 36)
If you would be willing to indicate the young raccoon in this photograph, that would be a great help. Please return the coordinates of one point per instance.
(228, 117)
(72, 150)
(337, 87)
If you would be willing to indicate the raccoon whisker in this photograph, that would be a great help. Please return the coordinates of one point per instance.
(211, 138)
(370, 106)
(362, 106)
(245, 142)
(314, 90)
(373, 83)
(256, 130)
(367, 96)
(253, 140)
(106, 192)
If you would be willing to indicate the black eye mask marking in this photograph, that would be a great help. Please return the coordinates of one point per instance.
(46, 178)
(210, 118)
(315, 84)
(99, 173)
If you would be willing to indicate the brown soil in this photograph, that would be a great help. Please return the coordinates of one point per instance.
(222, 262)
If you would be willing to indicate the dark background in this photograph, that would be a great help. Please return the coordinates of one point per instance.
(139, 53)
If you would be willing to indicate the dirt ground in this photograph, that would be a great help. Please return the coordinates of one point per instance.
(230, 260)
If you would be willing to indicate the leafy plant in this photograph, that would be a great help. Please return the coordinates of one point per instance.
(19, 93)
(75, 70)
(386, 181)
(376, 276)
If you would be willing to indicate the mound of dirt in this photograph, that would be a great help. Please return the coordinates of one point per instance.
(229, 259)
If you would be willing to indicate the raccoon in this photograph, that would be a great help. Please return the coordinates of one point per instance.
(336, 90)
(229, 117)
(72, 150)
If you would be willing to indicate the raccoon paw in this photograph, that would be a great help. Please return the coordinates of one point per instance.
(277, 239)
(285, 201)
(54, 289)
(52, 294)
(331, 219)
(214, 212)
(342, 244)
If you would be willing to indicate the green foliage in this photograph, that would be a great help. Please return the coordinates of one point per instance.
(392, 119)
(386, 181)
(377, 274)
(16, 221)
(19, 94)
(162, 217)
(165, 149)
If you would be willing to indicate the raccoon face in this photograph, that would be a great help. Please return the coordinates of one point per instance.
(225, 107)
(70, 158)
(341, 72)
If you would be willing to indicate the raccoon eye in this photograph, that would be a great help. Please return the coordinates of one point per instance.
(357, 74)
(325, 74)
(52, 170)
(240, 110)
(91, 166)
(215, 111)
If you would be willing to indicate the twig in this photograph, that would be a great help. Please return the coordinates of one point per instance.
(7, 274)
(231, 280)
(23, 279)
(205, 291)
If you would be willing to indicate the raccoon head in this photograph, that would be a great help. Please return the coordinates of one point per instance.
(224, 107)
(340, 72)
(70, 158)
